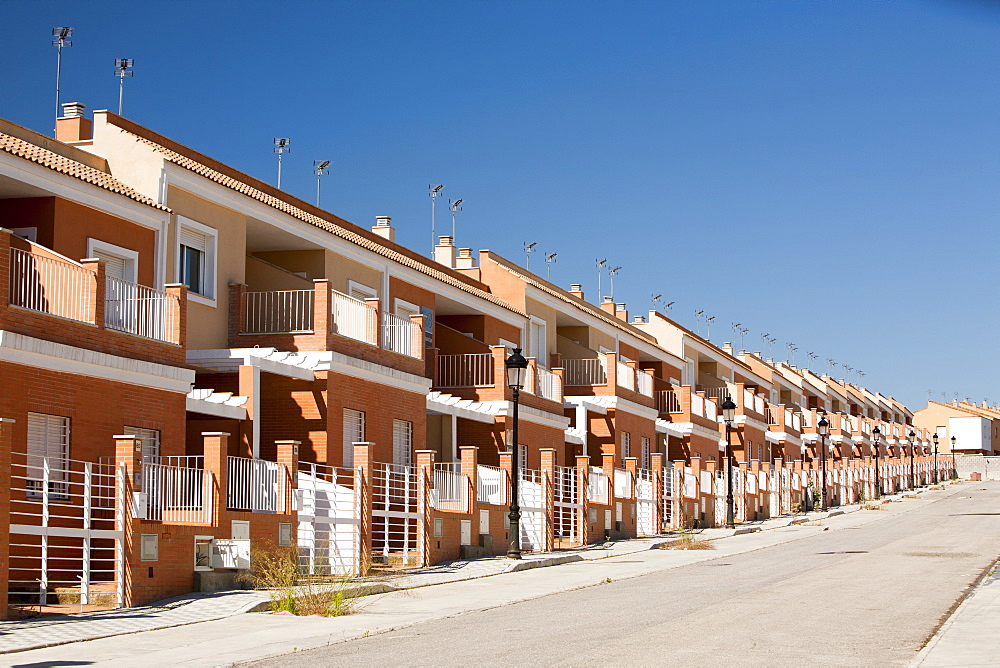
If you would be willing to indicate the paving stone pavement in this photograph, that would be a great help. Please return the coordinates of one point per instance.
(22, 635)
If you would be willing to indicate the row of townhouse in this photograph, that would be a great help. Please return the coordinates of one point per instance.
(195, 362)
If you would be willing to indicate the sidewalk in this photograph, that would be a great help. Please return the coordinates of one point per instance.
(17, 636)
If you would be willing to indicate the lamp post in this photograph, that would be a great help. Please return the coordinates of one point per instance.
(913, 480)
(935, 439)
(876, 436)
(823, 426)
(954, 468)
(728, 414)
(516, 364)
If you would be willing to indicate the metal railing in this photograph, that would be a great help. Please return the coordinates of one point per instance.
(399, 334)
(52, 286)
(256, 485)
(597, 486)
(451, 488)
(352, 318)
(769, 416)
(279, 312)
(473, 370)
(625, 375)
(719, 393)
(141, 311)
(668, 402)
(644, 383)
(547, 384)
(491, 485)
(623, 484)
(178, 494)
(584, 372)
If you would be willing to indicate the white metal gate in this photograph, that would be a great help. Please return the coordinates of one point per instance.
(329, 520)
(670, 499)
(645, 500)
(568, 506)
(66, 532)
(397, 516)
(531, 498)
(720, 498)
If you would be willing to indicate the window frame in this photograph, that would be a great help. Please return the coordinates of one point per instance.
(210, 272)
(348, 446)
(58, 484)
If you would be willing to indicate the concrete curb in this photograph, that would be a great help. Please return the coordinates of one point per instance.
(542, 563)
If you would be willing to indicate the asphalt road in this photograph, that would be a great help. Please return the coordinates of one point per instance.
(867, 591)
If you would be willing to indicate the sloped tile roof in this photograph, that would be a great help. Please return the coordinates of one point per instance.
(63, 165)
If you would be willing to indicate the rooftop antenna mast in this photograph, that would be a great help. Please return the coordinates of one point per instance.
(743, 333)
(434, 191)
(861, 377)
(791, 352)
(529, 248)
(611, 277)
(454, 205)
(601, 262)
(699, 315)
(667, 307)
(829, 367)
(657, 300)
(281, 147)
(62, 35)
(123, 65)
(812, 356)
(736, 330)
(708, 327)
(320, 170)
(549, 259)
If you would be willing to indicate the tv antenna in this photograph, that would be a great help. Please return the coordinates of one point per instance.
(281, 147)
(529, 248)
(698, 315)
(708, 327)
(601, 262)
(434, 190)
(123, 65)
(611, 277)
(549, 259)
(320, 170)
(62, 35)
(454, 205)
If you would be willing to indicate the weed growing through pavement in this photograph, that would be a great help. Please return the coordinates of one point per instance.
(688, 541)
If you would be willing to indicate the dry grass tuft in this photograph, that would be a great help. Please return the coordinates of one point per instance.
(688, 542)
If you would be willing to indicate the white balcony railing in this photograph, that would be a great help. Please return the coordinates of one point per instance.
(178, 494)
(353, 318)
(257, 485)
(644, 383)
(491, 485)
(623, 484)
(52, 286)
(584, 372)
(547, 384)
(451, 488)
(141, 311)
(399, 334)
(278, 312)
(474, 370)
(597, 486)
(626, 375)
(667, 402)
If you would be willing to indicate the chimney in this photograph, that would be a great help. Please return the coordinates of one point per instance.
(576, 289)
(639, 320)
(608, 305)
(620, 312)
(727, 347)
(383, 227)
(444, 252)
(465, 259)
(72, 126)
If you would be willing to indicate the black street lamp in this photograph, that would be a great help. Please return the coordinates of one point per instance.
(954, 469)
(516, 365)
(876, 436)
(728, 415)
(823, 427)
(935, 439)
(912, 435)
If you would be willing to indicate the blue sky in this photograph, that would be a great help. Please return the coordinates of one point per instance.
(823, 171)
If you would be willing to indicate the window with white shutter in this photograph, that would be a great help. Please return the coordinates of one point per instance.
(354, 432)
(537, 342)
(644, 462)
(626, 445)
(196, 254)
(150, 443)
(48, 454)
(402, 442)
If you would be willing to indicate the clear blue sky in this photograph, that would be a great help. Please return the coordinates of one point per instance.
(823, 171)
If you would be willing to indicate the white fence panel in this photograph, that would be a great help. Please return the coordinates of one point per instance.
(256, 485)
(279, 311)
(329, 520)
(352, 318)
(51, 286)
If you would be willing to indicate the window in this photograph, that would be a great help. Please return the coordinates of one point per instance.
(523, 456)
(284, 534)
(196, 257)
(48, 448)
(118, 262)
(537, 341)
(150, 443)
(361, 291)
(626, 445)
(644, 463)
(402, 442)
(354, 432)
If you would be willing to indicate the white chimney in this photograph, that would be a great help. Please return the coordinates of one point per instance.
(73, 109)
(383, 227)
(465, 259)
(444, 252)
(639, 320)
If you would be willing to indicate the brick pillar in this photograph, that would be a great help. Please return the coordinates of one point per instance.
(507, 464)
(678, 493)
(612, 369)
(216, 451)
(128, 460)
(632, 466)
(417, 332)
(656, 465)
(374, 305)
(695, 463)
(177, 322)
(755, 472)
(779, 465)
(560, 375)
(6, 443)
(4, 302)
(322, 325)
(469, 456)
(425, 469)
(548, 456)
(288, 457)
(431, 364)
(237, 312)
(583, 479)
(96, 290)
(364, 489)
(248, 385)
(499, 376)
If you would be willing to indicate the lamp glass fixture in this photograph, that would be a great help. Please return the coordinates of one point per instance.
(728, 410)
(823, 426)
(516, 364)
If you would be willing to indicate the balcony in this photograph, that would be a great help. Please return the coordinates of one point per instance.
(606, 374)
(324, 319)
(67, 300)
(480, 371)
